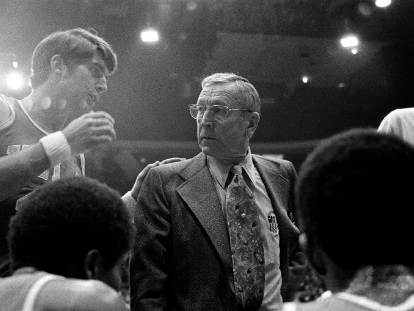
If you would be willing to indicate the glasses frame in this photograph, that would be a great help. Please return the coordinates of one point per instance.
(221, 106)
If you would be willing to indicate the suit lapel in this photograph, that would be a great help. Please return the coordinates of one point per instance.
(200, 194)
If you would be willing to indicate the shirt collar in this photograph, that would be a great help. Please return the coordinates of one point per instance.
(220, 171)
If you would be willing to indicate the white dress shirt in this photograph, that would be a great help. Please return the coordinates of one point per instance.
(272, 300)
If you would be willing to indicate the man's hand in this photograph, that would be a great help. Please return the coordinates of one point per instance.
(140, 178)
(90, 130)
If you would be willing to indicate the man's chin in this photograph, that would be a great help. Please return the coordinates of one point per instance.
(208, 151)
(205, 149)
(72, 115)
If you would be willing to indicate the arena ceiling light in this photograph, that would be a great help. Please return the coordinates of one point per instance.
(350, 41)
(382, 3)
(149, 35)
(15, 80)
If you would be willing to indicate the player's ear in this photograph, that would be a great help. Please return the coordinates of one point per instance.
(92, 264)
(58, 66)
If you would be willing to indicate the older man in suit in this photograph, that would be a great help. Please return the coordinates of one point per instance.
(184, 256)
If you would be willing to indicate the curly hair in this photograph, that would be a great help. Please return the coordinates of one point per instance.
(76, 46)
(354, 198)
(63, 220)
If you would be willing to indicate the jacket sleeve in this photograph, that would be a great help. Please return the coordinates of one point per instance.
(297, 262)
(151, 247)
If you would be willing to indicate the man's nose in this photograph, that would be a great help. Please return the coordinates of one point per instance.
(101, 85)
(207, 118)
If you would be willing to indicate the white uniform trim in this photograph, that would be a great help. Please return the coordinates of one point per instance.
(34, 291)
(373, 305)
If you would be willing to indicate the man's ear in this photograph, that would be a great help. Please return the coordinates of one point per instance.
(58, 66)
(92, 264)
(253, 123)
(315, 256)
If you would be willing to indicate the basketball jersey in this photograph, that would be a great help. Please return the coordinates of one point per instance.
(349, 302)
(19, 292)
(16, 133)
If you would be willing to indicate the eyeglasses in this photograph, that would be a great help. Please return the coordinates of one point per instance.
(218, 112)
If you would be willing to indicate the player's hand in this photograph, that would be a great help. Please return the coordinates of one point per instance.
(90, 130)
(140, 178)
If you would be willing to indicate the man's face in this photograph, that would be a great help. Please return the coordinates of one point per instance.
(82, 86)
(222, 139)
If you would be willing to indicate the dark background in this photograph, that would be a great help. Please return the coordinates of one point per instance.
(273, 43)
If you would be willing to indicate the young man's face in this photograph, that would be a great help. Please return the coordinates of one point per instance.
(82, 86)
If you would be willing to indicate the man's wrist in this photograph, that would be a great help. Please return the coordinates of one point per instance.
(56, 147)
(129, 203)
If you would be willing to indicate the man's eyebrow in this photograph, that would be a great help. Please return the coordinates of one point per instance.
(100, 66)
(218, 102)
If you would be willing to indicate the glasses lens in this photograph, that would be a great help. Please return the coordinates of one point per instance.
(194, 111)
(219, 112)
(197, 111)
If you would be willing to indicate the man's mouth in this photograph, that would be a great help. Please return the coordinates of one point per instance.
(93, 100)
(207, 138)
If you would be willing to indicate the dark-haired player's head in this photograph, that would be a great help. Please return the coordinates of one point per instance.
(74, 227)
(354, 202)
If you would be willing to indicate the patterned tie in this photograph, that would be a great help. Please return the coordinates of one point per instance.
(245, 242)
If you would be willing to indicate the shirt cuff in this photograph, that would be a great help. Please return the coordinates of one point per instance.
(129, 203)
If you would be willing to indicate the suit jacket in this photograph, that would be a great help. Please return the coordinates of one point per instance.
(181, 256)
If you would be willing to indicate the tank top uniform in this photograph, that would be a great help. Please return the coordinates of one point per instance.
(16, 133)
(381, 288)
(349, 302)
(20, 292)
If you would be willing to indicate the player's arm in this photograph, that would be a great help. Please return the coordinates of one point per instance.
(19, 168)
(81, 134)
(130, 198)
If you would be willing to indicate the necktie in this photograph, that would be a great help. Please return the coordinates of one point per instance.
(245, 242)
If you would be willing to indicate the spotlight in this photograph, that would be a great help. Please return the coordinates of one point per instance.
(349, 41)
(15, 80)
(382, 3)
(149, 35)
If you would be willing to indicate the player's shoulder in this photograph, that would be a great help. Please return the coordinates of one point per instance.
(278, 165)
(318, 305)
(81, 295)
(401, 113)
(6, 110)
(272, 160)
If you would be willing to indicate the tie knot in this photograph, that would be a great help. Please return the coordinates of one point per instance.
(237, 169)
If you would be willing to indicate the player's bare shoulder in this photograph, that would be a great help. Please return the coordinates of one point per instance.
(80, 295)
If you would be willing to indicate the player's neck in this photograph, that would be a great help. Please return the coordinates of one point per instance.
(43, 110)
